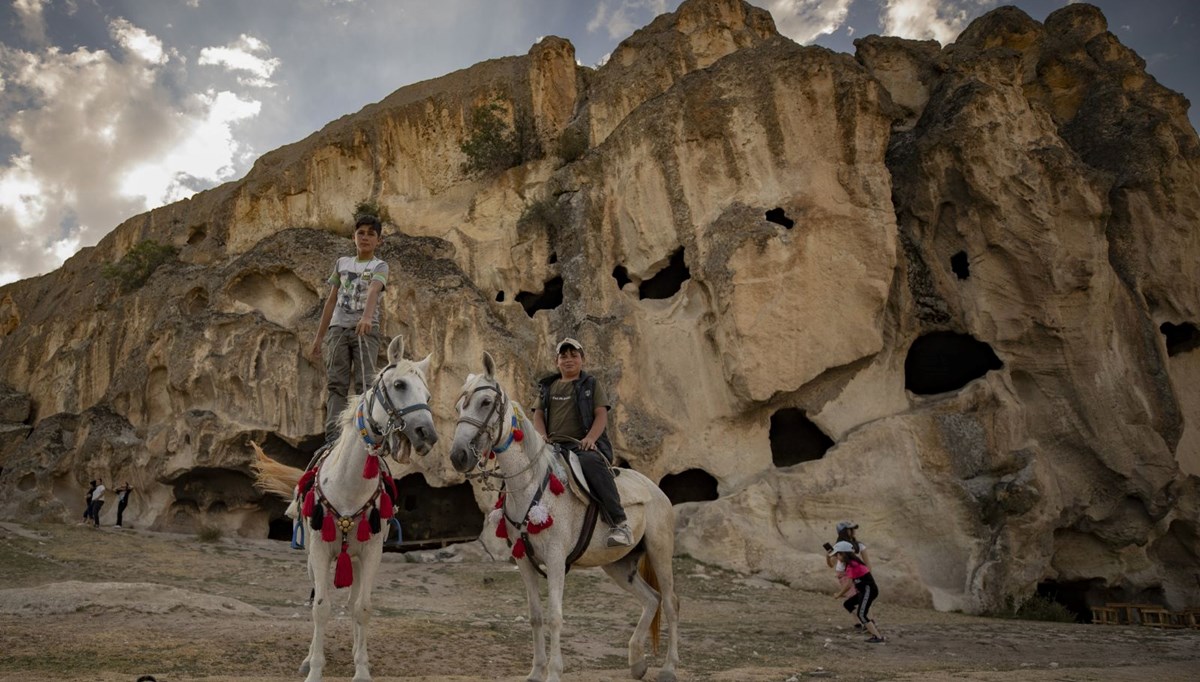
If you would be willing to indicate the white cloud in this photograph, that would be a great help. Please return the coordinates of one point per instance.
(137, 42)
(101, 137)
(806, 20)
(33, 24)
(924, 19)
(243, 55)
(620, 18)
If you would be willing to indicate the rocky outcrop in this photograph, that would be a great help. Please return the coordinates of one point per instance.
(950, 293)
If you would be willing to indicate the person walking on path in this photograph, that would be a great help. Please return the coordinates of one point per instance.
(97, 501)
(864, 584)
(122, 501)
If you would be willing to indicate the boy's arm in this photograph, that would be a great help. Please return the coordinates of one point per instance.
(600, 421)
(539, 422)
(326, 316)
(364, 324)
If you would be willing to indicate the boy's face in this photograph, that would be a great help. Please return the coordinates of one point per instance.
(366, 239)
(570, 361)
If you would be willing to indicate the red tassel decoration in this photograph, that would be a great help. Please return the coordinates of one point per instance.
(491, 454)
(556, 485)
(502, 529)
(371, 466)
(385, 506)
(306, 480)
(499, 501)
(329, 529)
(310, 501)
(389, 485)
(364, 529)
(518, 435)
(343, 575)
(519, 549)
(535, 528)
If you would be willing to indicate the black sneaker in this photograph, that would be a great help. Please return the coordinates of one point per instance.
(876, 640)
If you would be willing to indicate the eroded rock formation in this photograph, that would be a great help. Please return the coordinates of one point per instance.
(949, 293)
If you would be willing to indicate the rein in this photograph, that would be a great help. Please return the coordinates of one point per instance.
(484, 428)
(366, 424)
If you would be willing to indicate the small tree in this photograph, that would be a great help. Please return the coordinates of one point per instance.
(370, 207)
(492, 145)
(136, 266)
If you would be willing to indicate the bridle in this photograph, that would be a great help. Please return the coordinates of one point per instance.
(395, 422)
(492, 434)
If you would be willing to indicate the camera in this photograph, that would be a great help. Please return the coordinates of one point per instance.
(828, 547)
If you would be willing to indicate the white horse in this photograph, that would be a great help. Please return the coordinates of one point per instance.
(348, 495)
(495, 437)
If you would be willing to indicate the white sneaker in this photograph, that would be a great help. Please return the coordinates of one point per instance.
(620, 536)
(117, 526)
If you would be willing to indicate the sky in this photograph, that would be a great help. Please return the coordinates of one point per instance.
(109, 108)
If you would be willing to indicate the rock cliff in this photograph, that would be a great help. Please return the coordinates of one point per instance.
(949, 293)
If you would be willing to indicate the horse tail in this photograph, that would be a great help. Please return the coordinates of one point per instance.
(646, 570)
(272, 477)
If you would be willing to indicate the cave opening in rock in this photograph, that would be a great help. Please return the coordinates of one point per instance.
(435, 517)
(280, 529)
(960, 265)
(553, 258)
(692, 485)
(666, 282)
(795, 439)
(620, 274)
(284, 452)
(1181, 338)
(1077, 596)
(550, 297)
(499, 297)
(946, 361)
(777, 216)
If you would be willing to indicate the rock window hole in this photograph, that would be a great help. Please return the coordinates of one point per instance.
(960, 265)
(435, 517)
(553, 258)
(946, 361)
(693, 485)
(666, 282)
(499, 297)
(548, 299)
(795, 439)
(620, 274)
(1181, 338)
(777, 216)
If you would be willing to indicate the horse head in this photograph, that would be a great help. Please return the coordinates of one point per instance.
(481, 408)
(399, 400)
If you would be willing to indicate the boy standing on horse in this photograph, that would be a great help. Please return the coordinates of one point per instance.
(572, 408)
(348, 335)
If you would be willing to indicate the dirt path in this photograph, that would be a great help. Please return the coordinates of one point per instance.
(107, 605)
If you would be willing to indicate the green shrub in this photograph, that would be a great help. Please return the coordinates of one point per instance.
(572, 144)
(492, 145)
(208, 534)
(370, 207)
(136, 266)
(542, 213)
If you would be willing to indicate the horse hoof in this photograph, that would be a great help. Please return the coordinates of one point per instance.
(638, 670)
(666, 676)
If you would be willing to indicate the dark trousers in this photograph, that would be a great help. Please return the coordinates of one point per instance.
(121, 510)
(349, 364)
(96, 504)
(600, 479)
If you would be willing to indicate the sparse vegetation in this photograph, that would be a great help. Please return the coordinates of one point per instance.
(136, 266)
(208, 534)
(1036, 607)
(493, 145)
(572, 144)
(370, 207)
(544, 213)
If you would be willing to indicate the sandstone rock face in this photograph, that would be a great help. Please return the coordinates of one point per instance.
(951, 294)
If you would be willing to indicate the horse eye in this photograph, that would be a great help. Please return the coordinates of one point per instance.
(485, 402)
(400, 385)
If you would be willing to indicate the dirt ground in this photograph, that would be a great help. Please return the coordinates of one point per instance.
(106, 605)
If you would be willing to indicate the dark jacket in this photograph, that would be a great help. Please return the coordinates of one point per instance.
(585, 388)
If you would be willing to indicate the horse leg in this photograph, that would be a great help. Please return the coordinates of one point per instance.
(318, 566)
(364, 579)
(530, 578)
(556, 577)
(625, 573)
(660, 550)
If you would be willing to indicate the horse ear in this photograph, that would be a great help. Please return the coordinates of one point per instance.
(395, 350)
(489, 366)
(423, 366)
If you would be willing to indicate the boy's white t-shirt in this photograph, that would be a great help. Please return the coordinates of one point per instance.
(353, 278)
